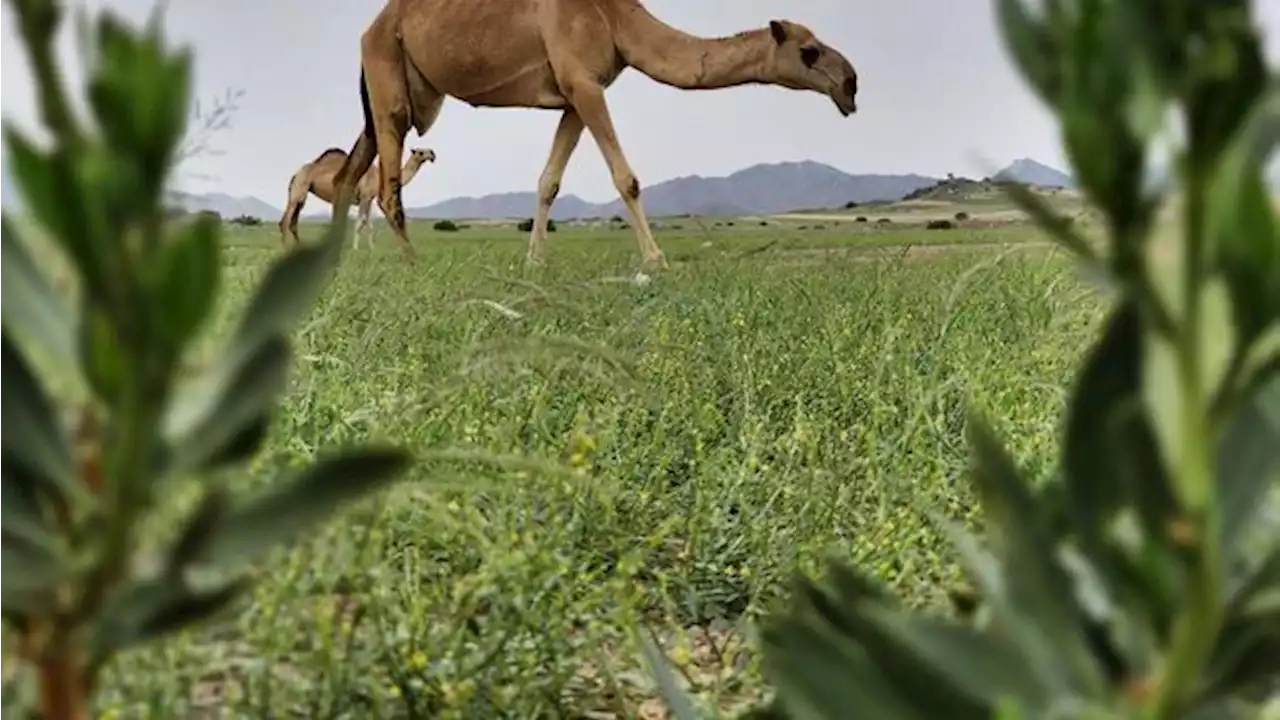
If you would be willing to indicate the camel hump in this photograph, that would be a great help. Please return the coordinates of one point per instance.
(330, 151)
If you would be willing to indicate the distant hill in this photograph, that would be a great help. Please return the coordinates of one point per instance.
(1030, 172)
(759, 189)
(225, 205)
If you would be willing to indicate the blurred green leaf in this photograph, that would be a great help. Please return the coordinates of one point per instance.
(1248, 463)
(139, 93)
(199, 530)
(101, 357)
(33, 312)
(49, 186)
(1261, 361)
(1241, 223)
(1033, 48)
(1148, 105)
(33, 436)
(1217, 341)
(820, 675)
(1034, 579)
(1247, 652)
(29, 576)
(212, 416)
(1226, 75)
(1023, 629)
(1110, 456)
(908, 673)
(675, 697)
(31, 557)
(153, 607)
(282, 513)
(243, 444)
(944, 668)
(188, 275)
(1060, 229)
(982, 666)
(1162, 397)
(287, 293)
(21, 523)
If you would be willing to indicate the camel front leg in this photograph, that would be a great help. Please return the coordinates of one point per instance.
(568, 132)
(588, 100)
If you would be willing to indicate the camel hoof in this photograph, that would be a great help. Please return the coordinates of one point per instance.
(655, 262)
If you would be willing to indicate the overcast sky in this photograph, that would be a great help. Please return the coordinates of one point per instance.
(936, 95)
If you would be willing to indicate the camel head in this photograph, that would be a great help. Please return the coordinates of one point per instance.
(803, 62)
(419, 156)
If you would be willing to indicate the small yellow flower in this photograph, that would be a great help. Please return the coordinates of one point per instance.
(680, 653)
(418, 660)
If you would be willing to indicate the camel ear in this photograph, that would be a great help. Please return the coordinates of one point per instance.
(778, 30)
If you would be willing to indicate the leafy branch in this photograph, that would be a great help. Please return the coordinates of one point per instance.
(79, 478)
(1138, 582)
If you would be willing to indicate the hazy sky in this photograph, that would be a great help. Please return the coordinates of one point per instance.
(936, 95)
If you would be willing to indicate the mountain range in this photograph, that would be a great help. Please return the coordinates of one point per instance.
(759, 189)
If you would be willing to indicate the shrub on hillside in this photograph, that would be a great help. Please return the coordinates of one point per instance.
(939, 225)
(850, 205)
(883, 221)
(962, 216)
(445, 226)
(103, 413)
(860, 218)
(526, 225)
(246, 220)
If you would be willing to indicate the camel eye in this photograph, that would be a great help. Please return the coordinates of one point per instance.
(809, 55)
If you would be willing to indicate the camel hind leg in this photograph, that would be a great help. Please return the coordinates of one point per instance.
(298, 189)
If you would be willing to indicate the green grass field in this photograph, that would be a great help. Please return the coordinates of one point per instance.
(598, 456)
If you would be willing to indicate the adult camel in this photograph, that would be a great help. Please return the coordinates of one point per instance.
(556, 55)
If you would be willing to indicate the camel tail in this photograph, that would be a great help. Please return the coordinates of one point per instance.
(361, 156)
(364, 104)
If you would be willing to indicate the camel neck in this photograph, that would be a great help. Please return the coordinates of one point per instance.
(674, 57)
(410, 169)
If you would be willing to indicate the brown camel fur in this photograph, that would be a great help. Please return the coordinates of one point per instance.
(317, 178)
(557, 55)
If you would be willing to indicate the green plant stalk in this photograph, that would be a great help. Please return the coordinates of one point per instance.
(1196, 628)
(128, 479)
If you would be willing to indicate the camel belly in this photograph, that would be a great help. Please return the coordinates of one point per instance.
(535, 89)
(483, 53)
